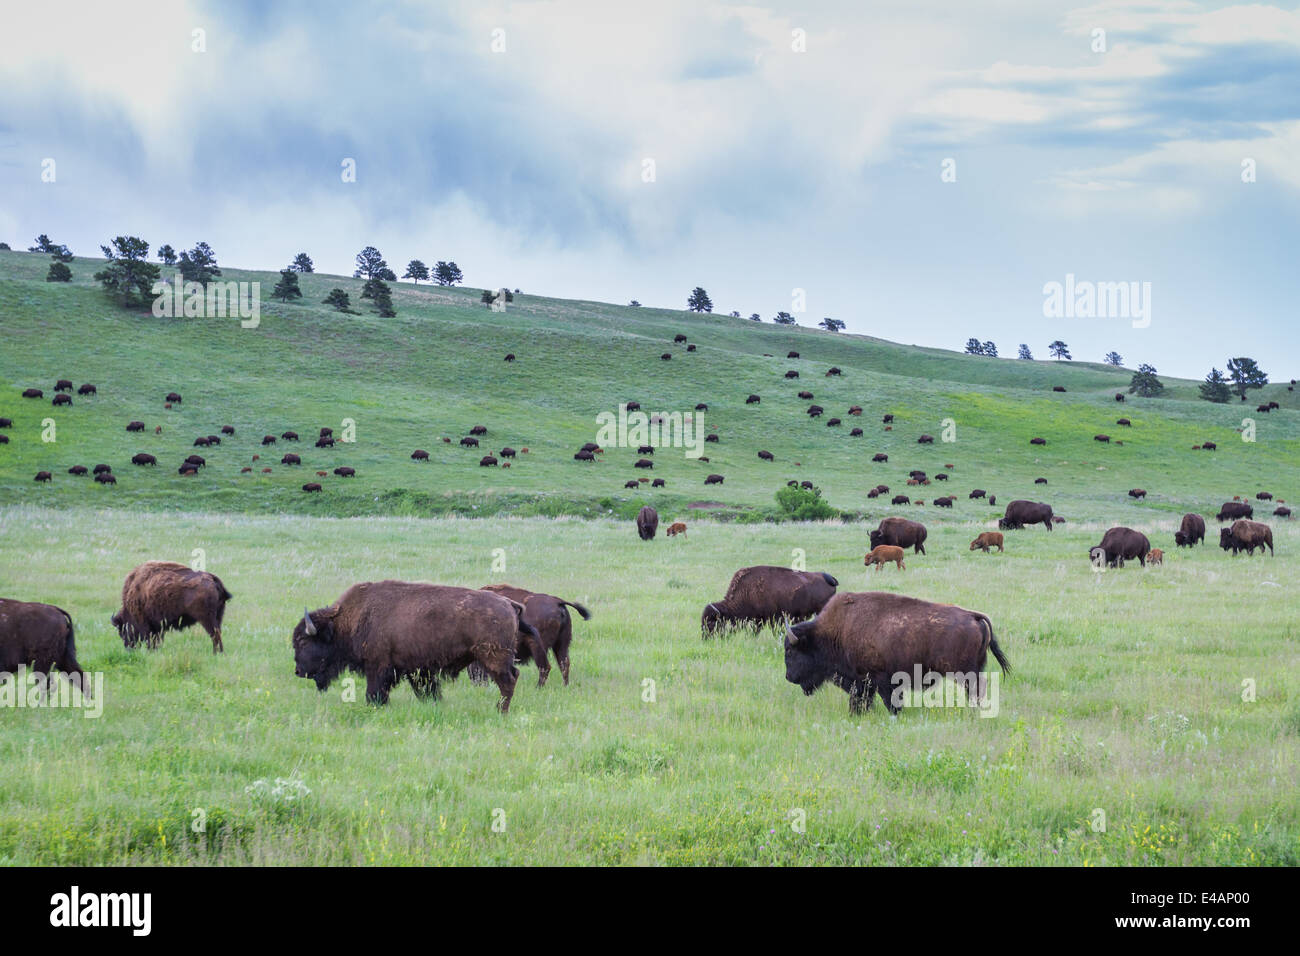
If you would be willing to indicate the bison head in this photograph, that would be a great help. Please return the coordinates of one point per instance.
(803, 664)
(714, 618)
(1180, 539)
(877, 539)
(316, 656)
(1225, 539)
(126, 628)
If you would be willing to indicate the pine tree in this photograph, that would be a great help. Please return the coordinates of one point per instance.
(699, 301)
(370, 263)
(199, 264)
(287, 287)
(128, 275)
(1145, 383)
(167, 255)
(783, 318)
(1060, 350)
(974, 346)
(1246, 374)
(1215, 388)
(58, 273)
(831, 325)
(339, 299)
(990, 350)
(302, 263)
(1114, 358)
(417, 270)
(1025, 354)
(447, 273)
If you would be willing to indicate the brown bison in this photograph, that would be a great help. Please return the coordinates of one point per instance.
(159, 596)
(469, 442)
(173, 397)
(106, 479)
(1246, 535)
(1232, 510)
(876, 642)
(657, 483)
(87, 389)
(647, 522)
(1118, 545)
(584, 456)
(900, 500)
(100, 469)
(1156, 556)
(1137, 493)
(1125, 422)
(1058, 388)
(1282, 511)
(677, 527)
(815, 410)
(763, 595)
(6, 423)
(945, 501)
(227, 429)
(766, 456)
(39, 636)
(289, 436)
(1190, 532)
(63, 385)
(833, 370)
(1119, 396)
(880, 456)
(344, 471)
(325, 441)
(713, 480)
(1263, 496)
(291, 459)
(419, 455)
(1101, 438)
(143, 459)
(507, 452)
(988, 539)
(1040, 481)
(632, 483)
(311, 486)
(1038, 441)
(488, 461)
(1209, 445)
(882, 555)
(43, 476)
(391, 631)
(753, 400)
(903, 532)
(201, 442)
(855, 409)
(478, 430)
(135, 426)
(62, 400)
(1020, 513)
(77, 470)
(549, 616)
(977, 493)
(33, 393)
(925, 440)
(792, 374)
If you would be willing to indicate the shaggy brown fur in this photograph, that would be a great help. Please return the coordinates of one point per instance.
(160, 596)
(882, 555)
(988, 539)
(765, 594)
(39, 636)
(549, 615)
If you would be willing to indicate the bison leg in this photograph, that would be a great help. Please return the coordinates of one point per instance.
(561, 651)
(215, 633)
(506, 681)
(378, 685)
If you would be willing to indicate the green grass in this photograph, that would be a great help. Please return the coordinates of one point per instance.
(1126, 696)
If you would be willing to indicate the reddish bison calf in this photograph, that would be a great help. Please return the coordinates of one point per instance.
(882, 555)
(160, 596)
(988, 539)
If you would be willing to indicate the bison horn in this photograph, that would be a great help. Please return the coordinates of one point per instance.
(791, 638)
(307, 623)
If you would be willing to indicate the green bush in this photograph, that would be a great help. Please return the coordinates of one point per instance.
(803, 504)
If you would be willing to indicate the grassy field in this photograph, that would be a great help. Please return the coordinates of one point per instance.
(1127, 695)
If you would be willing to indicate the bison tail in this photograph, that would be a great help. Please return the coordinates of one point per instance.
(225, 595)
(995, 648)
(830, 580)
(582, 611)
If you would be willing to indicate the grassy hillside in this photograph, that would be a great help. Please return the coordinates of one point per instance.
(437, 369)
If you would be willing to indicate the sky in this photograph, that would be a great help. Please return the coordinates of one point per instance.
(922, 171)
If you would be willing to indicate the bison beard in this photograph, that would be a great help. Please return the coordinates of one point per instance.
(763, 595)
(423, 633)
(860, 641)
(159, 596)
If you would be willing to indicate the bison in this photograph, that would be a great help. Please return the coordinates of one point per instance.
(880, 456)
(106, 479)
(469, 442)
(159, 596)
(135, 426)
(41, 637)
(1137, 493)
(33, 393)
(1118, 545)
(343, 471)
(143, 459)
(676, 528)
(488, 461)
(311, 486)
(925, 440)
(325, 441)
(900, 500)
(882, 555)
(289, 436)
(419, 455)
(174, 398)
(1020, 513)
(87, 389)
(1101, 438)
(1232, 510)
(766, 456)
(1190, 532)
(62, 400)
(762, 595)
(792, 374)
(902, 532)
(227, 429)
(986, 540)
(874, 641)
(833, 370)
(1124, 421)
(657, 483)
(1282, 512)
(1156, 556)
(43, 476)
(753, 400)
(268, 439)
(943, 502)
(291, 459)
(77, 470)
(584, 456)
(1038, 441)
(647, 523)
(391, 631)
(713, 480)
(478, 430)
(1246, 535)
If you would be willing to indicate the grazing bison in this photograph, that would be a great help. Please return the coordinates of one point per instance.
(289, 436)
(1282, 512)
(268, 439)
(1246, 535)
(1209, 445)
(33, 393)
(679, 337)
(100, 469)
(469, 442)
(1040, 481)
(632, 406)
(87, 389)
(1137, 493)
(832, 422)
(41, 637)
(631, 484)
(645, 449)
(326, 432)
(676, 528)
(62, 400)
(227, 429)
(507, 452)
(488, 461)
(815, 410)
(106, 479)
(988, 539)
(189, 471)
(1020, 513)
(657, 483)
(876, 642)
(311, 486)
(1058, 388)
(343, 471)
(925, 440)
(713, 439)
(143, 459)
(325, 441)
(882, 555)
(63, 385)
(753, 400)
(478, 430)
(423, 633)
(6, 423)
(159, 596)
(791, 354)
(943, 502)
(900, 500)
(291, 459)
(1119, 396)
(713, 480)
(1232, 510)
(510, 356)
(43, 476)
(855, 409)
(833, 370)
(135, 426)
(77, 470)
(419, 455)
(584, 456)
(1038, 441)
(1101, 438)
(174, 398)
(887, 419)
(902, 532)
(792, 374)
(766, 456)
(647, 522)
(1263, 496)
(1156, 556)
(977, 493)
(880, 456)
(1124, 421)
(201, 442)
(763, 595)
(1190, 532)
(1118, 545)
